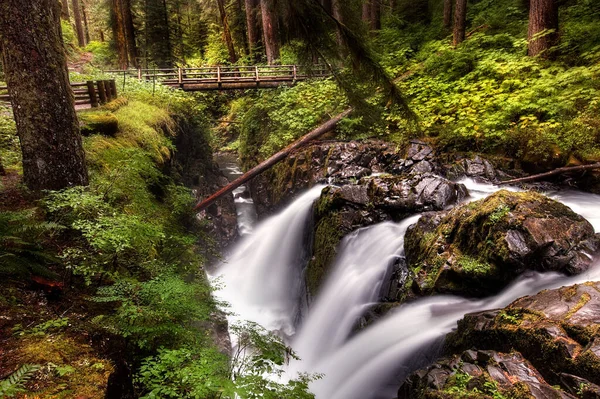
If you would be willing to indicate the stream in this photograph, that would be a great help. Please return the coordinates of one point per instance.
(262, 280)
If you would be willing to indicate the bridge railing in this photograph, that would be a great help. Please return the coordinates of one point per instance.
(93, 93)
(225, 74)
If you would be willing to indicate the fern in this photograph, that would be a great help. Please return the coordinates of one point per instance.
(15, 383)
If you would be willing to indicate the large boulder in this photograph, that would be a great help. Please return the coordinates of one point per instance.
(476, 249)
(479, 374)
(558, 331)
(341, 210)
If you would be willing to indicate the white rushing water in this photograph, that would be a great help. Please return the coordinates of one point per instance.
(263, 282)
(262, 279)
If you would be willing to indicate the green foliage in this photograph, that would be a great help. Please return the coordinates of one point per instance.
(103, 54)
(22, 236)
(10, 151)
(69, 37)
(14, 384)
(42, 329)
(158, 312)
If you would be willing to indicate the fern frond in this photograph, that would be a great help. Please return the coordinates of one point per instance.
(17, 380)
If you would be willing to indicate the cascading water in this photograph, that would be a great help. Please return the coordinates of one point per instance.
(263, 280)
(355, 283)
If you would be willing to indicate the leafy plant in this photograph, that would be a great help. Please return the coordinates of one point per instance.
(15, 383)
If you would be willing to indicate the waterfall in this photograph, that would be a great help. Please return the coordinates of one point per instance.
(262, 279)
(364, 260)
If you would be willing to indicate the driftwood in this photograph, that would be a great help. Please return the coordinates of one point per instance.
(278, 157)
(552, 173)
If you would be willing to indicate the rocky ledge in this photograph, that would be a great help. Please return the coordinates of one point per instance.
(541, 346)
(478, 248)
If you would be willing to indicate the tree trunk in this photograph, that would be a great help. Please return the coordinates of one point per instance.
(448, 14)
(336, 9)
(227, 32)
(129, 29)
(240, 21)
(460, 22)
(252, 27)
(118, 29)
(366, 11)
(543, 27)
(269, 22)
(375, 15)
(78, 23)
(327, 5)
(85, 22)
(42, 100)
(158, 34)
(64, 14)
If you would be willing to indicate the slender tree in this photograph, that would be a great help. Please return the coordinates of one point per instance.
(43, 105)
(78, 23)
(375, 15)
(460, 22)
(85, 22)
(543, 27)
(130, 34)
(64, 14)
(270, 31)
(448, 14)
(158, 34)
(227, 32)
(118, 29)
(252, 27)
(366, 11)
(336, 11)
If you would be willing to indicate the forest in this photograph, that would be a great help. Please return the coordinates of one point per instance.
(330, 199)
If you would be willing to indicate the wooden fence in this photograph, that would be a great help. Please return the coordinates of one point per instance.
(225, 77)
(93, 93)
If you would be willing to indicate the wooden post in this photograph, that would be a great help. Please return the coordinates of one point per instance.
(219, 76)
(109, 90)
(124, 77)
(102, 92)
(139, 73)
(295, 73)
(92, 93)
(113, 86)
(180, 76)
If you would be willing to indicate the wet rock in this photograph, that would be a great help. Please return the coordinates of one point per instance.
(341, 210)
(479, 374)
(478, 248)
(556, 330)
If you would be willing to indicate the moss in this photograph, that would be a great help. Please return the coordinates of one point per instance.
(585, 298)
(104, 123)
(327, 237)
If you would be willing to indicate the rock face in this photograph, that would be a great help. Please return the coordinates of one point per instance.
(338, 163)
(480, 374)
(478, 248)
(558, 331)
(341, 210)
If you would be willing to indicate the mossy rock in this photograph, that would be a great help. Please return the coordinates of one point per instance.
(478, 248)
(103, 123)
(558, 331)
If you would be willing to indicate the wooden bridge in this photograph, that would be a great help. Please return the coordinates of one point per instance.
(225, 77)
(91, 93)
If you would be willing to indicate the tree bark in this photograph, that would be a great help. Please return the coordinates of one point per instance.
(118, 29)
(336, 9)
(327, 5)
(270, 32)
(129, 28)
(85, 22)
(448, 14)
(274, 160)
(543, 27)
(366, 11)
(227, 32)
(64, 14)
(78, 23)
(375, 15)
(252, 27)
(460, 22)
(41, 96)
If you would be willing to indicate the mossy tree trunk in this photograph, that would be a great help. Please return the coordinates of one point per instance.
(448, 14)
(375, 15)
(227, 32)
(252, 27)
(64, 14)
(119, 36)
(543, 27)
(460, 22)
(78, 23)
(85, 21)
(43, 104)
(270, 31)
(132, 49)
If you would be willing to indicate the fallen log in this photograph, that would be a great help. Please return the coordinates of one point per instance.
(552, 173)
(278, 157)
